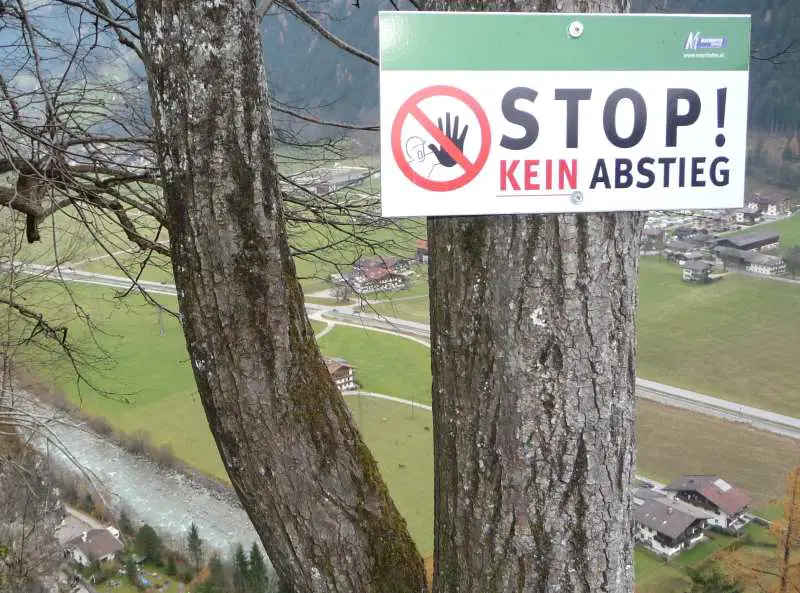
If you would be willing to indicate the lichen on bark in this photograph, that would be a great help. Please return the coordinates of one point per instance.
(285, 434)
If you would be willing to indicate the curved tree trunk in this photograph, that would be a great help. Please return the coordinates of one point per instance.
(533, 345)
(288, 441)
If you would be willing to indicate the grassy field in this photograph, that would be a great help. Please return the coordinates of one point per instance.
(732, 339)
(671, 441)
(163, 401)
(413, 310)
(653, 575)
(383, 363)
(735, 338)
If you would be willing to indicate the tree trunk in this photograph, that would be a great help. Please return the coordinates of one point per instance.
(534, 347)
(287, 439)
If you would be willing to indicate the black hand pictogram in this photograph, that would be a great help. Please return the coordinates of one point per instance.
(444, 157)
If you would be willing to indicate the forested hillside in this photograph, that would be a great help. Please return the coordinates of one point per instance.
(301, 64)
(775, 69)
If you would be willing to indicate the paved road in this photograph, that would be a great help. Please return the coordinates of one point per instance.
(420, 333)
(783, 279)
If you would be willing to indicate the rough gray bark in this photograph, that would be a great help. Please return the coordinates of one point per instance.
(288, 441)
(533, 346)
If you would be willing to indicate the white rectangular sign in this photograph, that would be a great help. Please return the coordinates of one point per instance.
(664, 131)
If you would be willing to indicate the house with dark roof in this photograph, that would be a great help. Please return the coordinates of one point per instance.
(711, 493)
(770, 205)
(747, 215)
(696, 271)
(750, 261)
(680, 250)
(759, 240)
(96, 544)
(653, 238)
(342, 373)
(386, 262)
(667, 526)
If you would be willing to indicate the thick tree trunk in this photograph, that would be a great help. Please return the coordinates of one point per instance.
(288, 441)
(533, 345)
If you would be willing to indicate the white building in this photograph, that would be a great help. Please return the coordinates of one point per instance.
(342, 374)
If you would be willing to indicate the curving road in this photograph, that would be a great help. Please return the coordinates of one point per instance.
(420, 333)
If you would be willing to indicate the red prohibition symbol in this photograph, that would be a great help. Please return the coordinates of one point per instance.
(410, 108)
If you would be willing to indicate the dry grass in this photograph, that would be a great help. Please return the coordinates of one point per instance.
(673, 442)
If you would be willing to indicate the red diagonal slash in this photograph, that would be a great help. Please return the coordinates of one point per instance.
(445, 142)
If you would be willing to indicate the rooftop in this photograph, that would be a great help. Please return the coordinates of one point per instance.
(698, 265)
(722, 494)
(662, 516)
(336, 364)
(751, 240)
(767, 199)
(96, 543)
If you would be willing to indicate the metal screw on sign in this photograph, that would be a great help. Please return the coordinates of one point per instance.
(576, 197)
(575, 29)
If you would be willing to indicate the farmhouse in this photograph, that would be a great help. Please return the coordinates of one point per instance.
(680, 250)
(378, 279)
(342, 373)
(96, 544)
(747, 215)
(666, 526)
(696, 271)
(750, 261)
(772, 205)
(768, 265)
(379, 273)
(422, 251)
(709, 492)
(386, 262)
(761, 241)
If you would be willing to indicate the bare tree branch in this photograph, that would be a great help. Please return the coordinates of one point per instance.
(313, 23)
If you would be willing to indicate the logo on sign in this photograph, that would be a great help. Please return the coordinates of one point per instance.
(441, 138)
(695, 41)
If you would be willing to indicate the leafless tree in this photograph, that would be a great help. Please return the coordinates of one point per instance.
(30, 512)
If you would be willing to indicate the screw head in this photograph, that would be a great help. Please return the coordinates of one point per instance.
(575, 29)
(576, 197)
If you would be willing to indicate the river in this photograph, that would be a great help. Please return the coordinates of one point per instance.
(167, 500)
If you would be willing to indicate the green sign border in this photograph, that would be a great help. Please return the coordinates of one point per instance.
(531, 41)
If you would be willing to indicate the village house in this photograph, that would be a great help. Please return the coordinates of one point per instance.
(761, 263)
(342, 373)
(716, 220)
(759, 240)
(653, 239)
(667, 526)
(696, 271)
(772, 205)
(379, 273)
(386, 262)
(681, 250)
(726, 503)
(422, 251)
(378, 279)
(747, 215)
(102, 545)
(750, 261)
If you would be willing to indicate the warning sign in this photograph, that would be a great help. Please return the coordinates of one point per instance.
(445, 155)
(561, 113)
